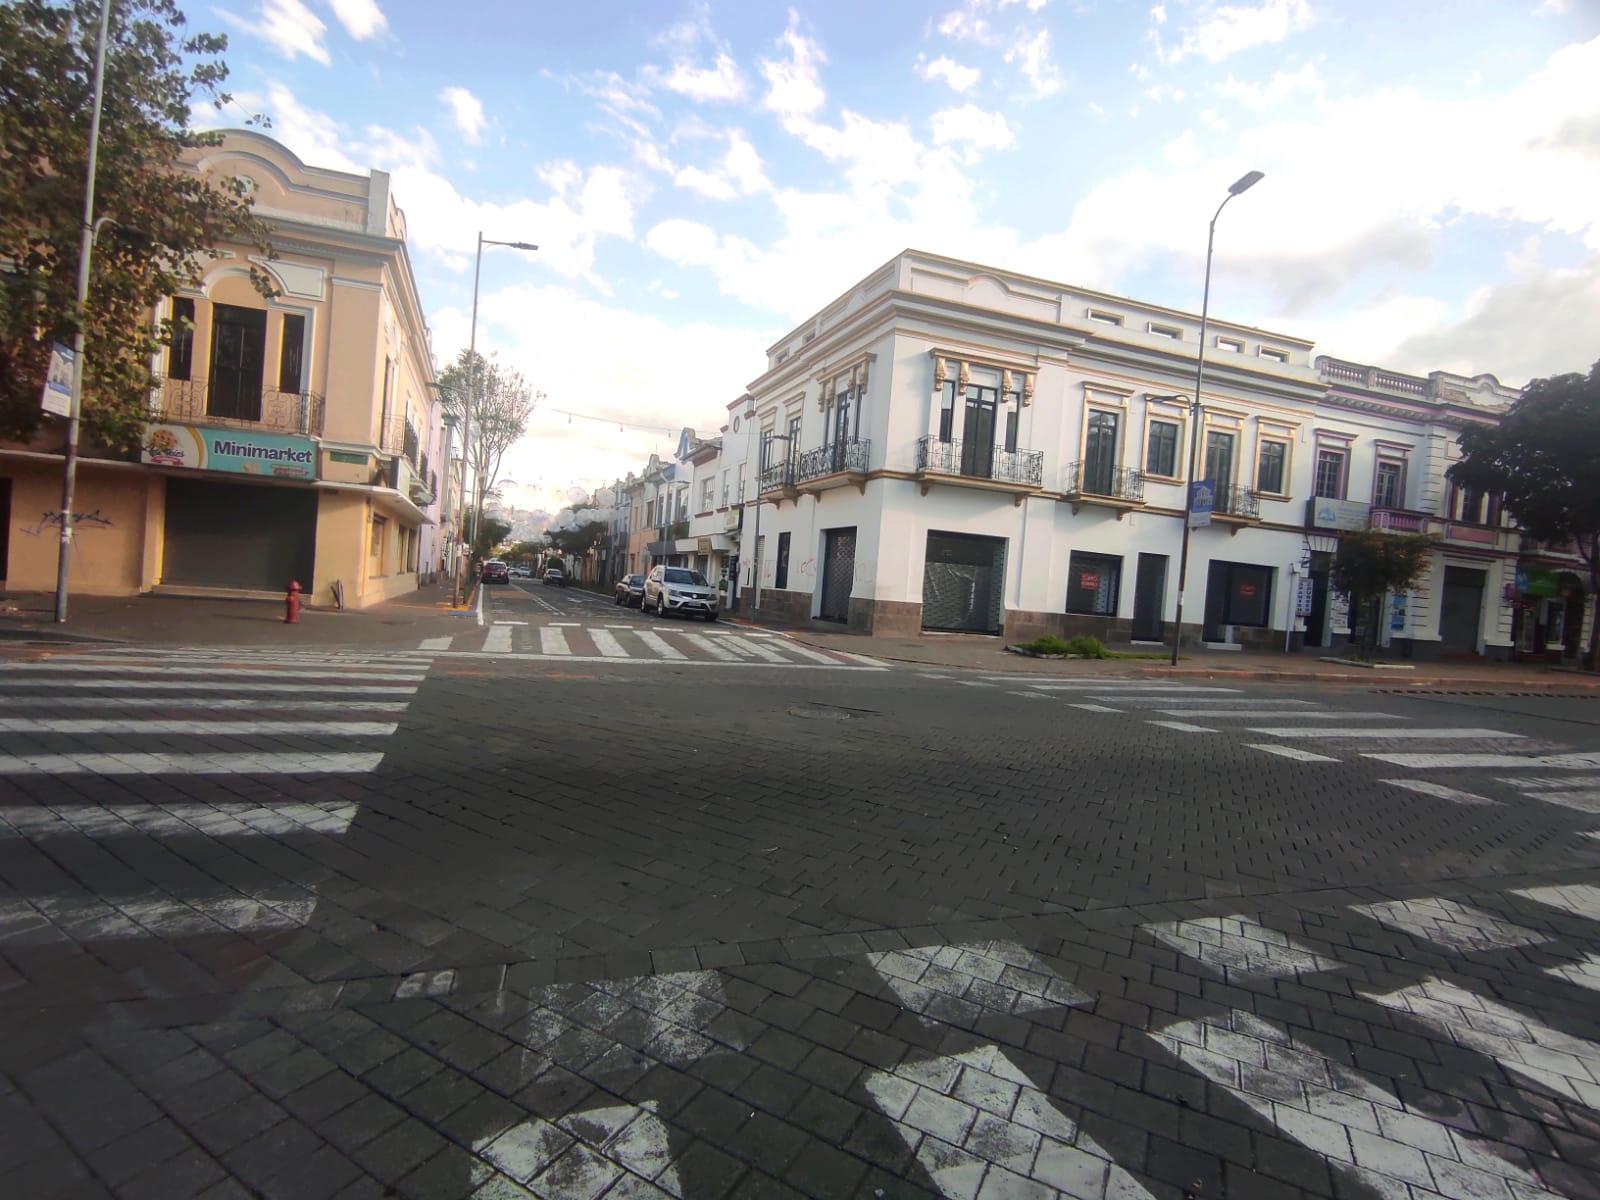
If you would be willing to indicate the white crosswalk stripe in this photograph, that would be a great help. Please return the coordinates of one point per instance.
(186, 670)
(553, 641)
(1575, 762)
(1486, 735)
(1428, 787)
(658, 645)
(606, 642)
(139, 725)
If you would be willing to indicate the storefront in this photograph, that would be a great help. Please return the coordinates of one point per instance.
(961, 582)
(1547, 619)
(1238, 602)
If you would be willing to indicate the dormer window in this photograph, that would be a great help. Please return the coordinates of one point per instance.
(1104, 317)
(1166, 331)
(1272, 354)
(1231, 344)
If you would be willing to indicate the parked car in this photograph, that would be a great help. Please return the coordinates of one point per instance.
(679, 590)
(495, 571)
(522, 572)
(630, 591)
(554, 578)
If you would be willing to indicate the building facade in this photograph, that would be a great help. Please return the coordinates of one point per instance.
(951, 447)
(291, 438)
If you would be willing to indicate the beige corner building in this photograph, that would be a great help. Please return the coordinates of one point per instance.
(297, 438)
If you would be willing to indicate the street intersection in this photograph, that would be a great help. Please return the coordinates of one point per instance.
(500, 919)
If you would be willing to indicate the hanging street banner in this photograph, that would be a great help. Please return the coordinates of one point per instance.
(238, 452)
(57, 397)
(1202, 499)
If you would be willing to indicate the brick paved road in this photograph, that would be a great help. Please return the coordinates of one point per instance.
(307, 925)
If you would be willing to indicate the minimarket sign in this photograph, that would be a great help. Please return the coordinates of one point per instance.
(239, 452)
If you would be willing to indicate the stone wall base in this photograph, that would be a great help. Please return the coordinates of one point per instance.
(885, 618)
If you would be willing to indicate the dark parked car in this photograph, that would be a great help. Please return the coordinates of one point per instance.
(554, 578)
(495, 571)
(630, 591)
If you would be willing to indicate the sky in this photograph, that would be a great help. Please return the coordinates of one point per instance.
(700, 177)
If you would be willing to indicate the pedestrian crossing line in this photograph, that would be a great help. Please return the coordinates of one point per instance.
(735, 646)
(1098, 708)
(1579, 801)
(209, 703)
(806, 652)
(660, 645)
(1529, 783)
(709, 645)
(1293, 752)
(686, 662)
(213, 728)
(553, 641)
(435, 643)
(498, 640)
(863, 659)
(1254, 714)
(221, 819)
(1111, 685)
(187, 685)
(1486, 735)
(1428, 787)
(606, 642)
(510, 622)
(1184, 726)
(184, 669)
(1030, 696)
(297, 763)
(563, 625)
(759, 650)
(404, 659)
(1266, 707)
(1559, 762)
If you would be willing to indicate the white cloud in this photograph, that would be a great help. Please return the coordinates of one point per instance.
(466, 110)
(1223, 30)
(290, 28)
(724, 81)
(793, 85)
(1184, 150)
(1275, 90)
(362, 19)
(961, 78)
(1553, 8)
(969, 22)
(1032, 54)
(740, 172)
(973, 129)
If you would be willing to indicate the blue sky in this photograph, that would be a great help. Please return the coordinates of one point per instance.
(701, 176)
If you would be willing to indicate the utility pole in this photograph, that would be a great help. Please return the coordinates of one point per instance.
(86, 235)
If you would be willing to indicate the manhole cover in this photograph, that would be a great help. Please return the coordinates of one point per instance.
(820, 714)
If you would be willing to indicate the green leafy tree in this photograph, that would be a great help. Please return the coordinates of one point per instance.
(491, 532)
(524, 553)
(1371, 563)
(1543, 457)
(502, 403)
(161, 221)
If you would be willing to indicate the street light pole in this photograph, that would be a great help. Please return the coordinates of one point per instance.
(471, 399)
(86, 234)
(1243, 184)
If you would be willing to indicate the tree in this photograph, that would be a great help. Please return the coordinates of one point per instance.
(160, 222)
(501, 405)
(491, 533)
(1543, 457)
(525, 553)
(1371, 563)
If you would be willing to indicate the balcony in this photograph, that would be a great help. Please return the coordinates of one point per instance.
(1235, 507)
(1484, 537)
(194, 402)
(1117, 488)
(1401, 520)
(838, 465)
(1020, 472)
(777, 482)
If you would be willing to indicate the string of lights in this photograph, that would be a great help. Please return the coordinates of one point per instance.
(621, 425)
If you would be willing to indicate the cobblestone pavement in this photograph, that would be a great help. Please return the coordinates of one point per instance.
(309, 924)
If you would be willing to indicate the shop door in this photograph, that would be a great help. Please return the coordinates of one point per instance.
(238, 345)
(977, 435)
(1317, 622)
(838, 573)
(1149, 589)
(961, 582)
(239, 536)
(1461, 609)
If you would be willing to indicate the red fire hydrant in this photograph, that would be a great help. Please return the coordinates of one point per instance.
(291, 603)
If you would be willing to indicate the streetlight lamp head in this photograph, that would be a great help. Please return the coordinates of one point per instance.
(531, 246)
(1245, 182)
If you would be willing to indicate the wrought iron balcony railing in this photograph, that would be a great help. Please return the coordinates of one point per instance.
(777, 478)
(1117, 483)
(1398, 520)
(1025, 467)
(197, 402)
(833, 460)
(1236, 502)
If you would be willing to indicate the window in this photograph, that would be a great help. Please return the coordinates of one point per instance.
(1092, 584)
(1231, 344)
(1166, 331)
(1329, 483)
(740, 481)
(1013, 406)
(947, 411)
(724, 489)
(783, 561)
(684, 575)
(378, 525)
(1274, 355)
(180, 355)
(1270, 462)
(1219, 464)
(791, 448)
(1161, 449)
(1386, 484)
(1103, 317)
(708, 494)
(291, 353)
(649, 512)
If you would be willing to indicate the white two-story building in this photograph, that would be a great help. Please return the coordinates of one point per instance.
(951, 447)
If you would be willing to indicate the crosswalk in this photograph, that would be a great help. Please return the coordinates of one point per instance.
(163, 751)
(1322, 732)
(633, 643)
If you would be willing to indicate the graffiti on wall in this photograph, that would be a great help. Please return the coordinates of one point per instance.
(51, 519)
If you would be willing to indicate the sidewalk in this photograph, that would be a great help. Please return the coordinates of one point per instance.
(976, 652)
(185, 621)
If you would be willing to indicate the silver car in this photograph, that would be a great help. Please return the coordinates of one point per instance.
(679, 590)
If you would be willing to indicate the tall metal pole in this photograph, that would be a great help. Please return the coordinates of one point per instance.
(466, 425)
(69, 474)
(1244, 183)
